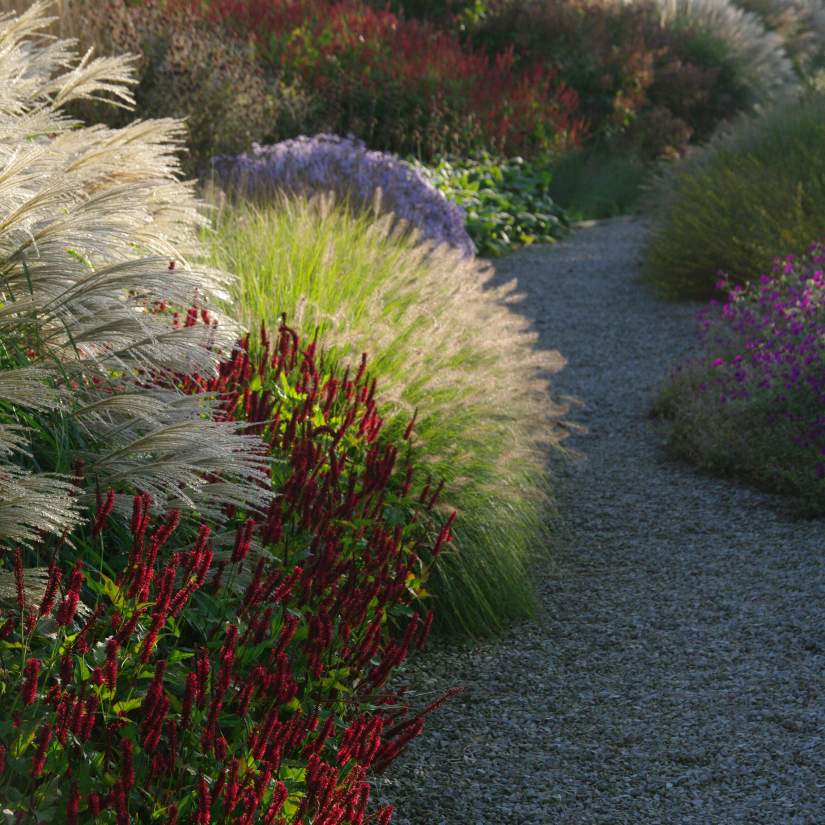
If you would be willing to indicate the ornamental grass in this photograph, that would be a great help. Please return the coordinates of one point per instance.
(443, 342)
(755, 190)
(212, 557)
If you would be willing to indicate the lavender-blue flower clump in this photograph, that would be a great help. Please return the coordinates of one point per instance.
(345, 166)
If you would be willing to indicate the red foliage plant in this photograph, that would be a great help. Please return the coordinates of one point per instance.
(403, 85)
(239, 681)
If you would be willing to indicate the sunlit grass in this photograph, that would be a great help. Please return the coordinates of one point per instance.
(439, 342)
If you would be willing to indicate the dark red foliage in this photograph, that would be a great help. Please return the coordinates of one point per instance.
(404, 85)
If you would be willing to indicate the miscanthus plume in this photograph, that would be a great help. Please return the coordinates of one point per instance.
(96, 234)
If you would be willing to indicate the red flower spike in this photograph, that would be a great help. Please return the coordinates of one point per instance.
(72, 805)
(68, 607)
(189, 694)
(127, 769)
(50, 594)
(103, 512)
(425, 630)
(18, 580)
(44, 737)
(204, 802)
(31, 672)
(111, 667)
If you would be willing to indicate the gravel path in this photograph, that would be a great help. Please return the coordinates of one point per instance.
(676, 673)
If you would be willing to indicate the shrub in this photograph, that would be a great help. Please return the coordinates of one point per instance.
(443, 342)
(221, 682)
(366, 180)
(657, 74)
(757, 55)
(750, 403)
(599, 49)
(731, 205)
(402, 85)
(191, 68)
(598, 182)
(506, 201)
(447, 13)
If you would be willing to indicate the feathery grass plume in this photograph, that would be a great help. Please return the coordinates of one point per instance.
(801, 25)
(758, 55)
(442, 340)
(96, 231)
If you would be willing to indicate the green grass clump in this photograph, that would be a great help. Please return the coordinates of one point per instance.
(730, 207)
(597, 182)
(441, 340)
(506, 201)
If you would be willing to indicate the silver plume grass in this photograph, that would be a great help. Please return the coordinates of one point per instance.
(96, 231)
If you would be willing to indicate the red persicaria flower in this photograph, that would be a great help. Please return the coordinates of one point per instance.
(44, 737)
(127, 771)
(68, 607)
(232, 787)
(2, 759)
(91, 712)
(111, 668)
(221, 747)
(31, 672)
(103, 511)
(425, 630)
(72, 805)
(172, 815)
(50, 594)
(121, 808)
(243, 540)
(93, 801)
(203, 668)
(204, 802)
(18, 580)
(189, 694)
(385, 815)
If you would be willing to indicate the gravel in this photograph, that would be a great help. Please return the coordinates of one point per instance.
(675, 671)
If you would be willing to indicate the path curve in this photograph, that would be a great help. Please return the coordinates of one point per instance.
(676, 673)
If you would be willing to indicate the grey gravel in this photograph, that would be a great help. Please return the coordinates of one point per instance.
(675, 673)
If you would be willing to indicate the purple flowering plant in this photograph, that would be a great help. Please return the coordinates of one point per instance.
(345, 166)
(752, 401)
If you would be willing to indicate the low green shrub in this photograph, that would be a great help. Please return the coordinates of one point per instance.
(506, 202)
(193, 69)
(734, 203)
(443, 342)
(598, 182)
(749, 403)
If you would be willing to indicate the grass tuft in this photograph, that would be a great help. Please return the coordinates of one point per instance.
(731, 206)
(442, 341)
